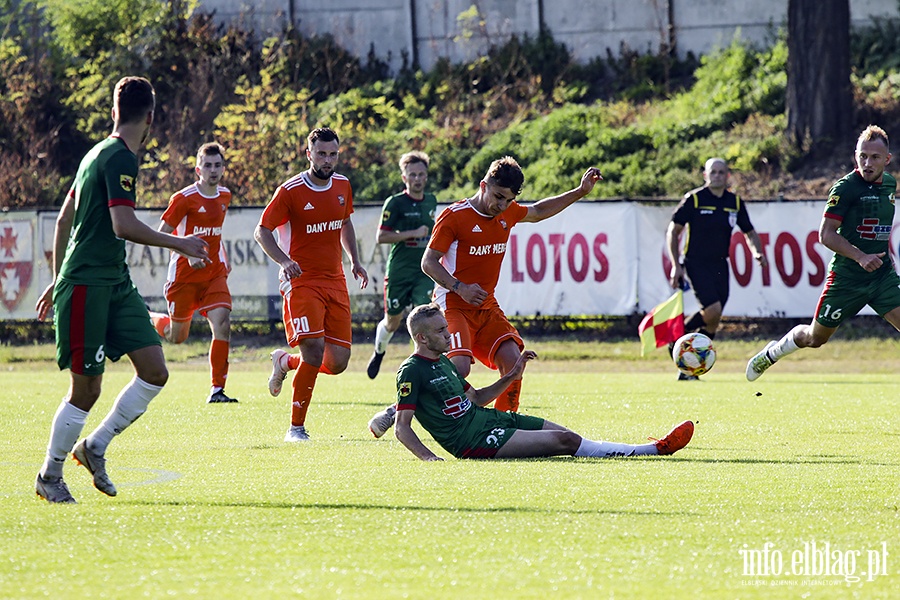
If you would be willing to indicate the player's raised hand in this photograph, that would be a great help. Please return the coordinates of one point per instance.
(45, 302)
(519, 368)
(590, 177)
(360, 274)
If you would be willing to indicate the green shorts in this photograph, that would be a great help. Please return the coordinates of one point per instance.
(497, 431)
(96, 322)
(843, 296)
(400, 293)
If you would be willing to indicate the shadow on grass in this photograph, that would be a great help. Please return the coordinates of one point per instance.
(394, 508)
(825, 460)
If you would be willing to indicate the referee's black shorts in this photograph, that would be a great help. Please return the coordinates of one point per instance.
(709, 279)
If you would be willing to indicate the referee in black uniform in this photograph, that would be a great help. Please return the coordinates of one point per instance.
(710, 213)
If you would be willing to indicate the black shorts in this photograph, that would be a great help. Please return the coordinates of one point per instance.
(709, 279)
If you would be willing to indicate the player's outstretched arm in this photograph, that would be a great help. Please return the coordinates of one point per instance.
(127, 226)
(546, 208)
(404, 432)
(484, 395)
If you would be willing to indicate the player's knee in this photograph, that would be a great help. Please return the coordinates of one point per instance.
(569, 441)
(816, 341)
(336, 367)
(157, 375)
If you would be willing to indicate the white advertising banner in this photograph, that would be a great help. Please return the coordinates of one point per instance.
(583, 261)
(594, 258)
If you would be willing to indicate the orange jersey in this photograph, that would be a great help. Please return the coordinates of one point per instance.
(473, 245)
(307, 221)
(191, 213)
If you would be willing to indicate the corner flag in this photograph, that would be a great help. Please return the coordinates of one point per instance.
(663, 324)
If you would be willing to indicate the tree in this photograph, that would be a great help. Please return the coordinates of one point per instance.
(819, 96)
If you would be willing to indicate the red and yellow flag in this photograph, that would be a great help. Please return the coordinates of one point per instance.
(663, 324)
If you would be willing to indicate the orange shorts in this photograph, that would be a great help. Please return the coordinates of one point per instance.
(313, 312)
(185, 298)
(478, 333)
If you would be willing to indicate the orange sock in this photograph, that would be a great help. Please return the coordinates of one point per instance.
(160, 322)
(325, 370)
(293, 361)
(303, 383)
(509, 399)
(218, 361)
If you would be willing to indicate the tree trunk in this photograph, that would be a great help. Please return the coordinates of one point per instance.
(819, 96)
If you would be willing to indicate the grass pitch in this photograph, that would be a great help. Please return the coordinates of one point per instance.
(784, 475)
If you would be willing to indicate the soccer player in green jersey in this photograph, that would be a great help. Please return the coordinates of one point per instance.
(430, 388)
(856, 226)
(406, 222)
(97, 311)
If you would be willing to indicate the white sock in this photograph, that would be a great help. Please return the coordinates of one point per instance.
(131, 404)
(785, 345)
(603, 449)
(67, 425)
(382, 336)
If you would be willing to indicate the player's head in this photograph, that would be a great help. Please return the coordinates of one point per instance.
(715, 172)
(428, 328)
(134, 101)
(873, 153)
(414, 171)
(322, 150)
(501, 185)
(210, 163)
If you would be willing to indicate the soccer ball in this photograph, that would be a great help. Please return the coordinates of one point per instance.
(694, 354)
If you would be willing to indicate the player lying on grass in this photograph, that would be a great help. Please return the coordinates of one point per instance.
(430, 388)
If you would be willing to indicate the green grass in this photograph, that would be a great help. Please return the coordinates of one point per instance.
(213, 504)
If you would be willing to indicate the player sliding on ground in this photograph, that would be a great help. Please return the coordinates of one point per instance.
(430, 388)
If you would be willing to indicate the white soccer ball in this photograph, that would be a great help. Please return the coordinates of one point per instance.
(694, 354)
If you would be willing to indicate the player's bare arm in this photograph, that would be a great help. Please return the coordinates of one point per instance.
(831, 239)
(485, 395)
(61, 234)
(473, 293)
(195, 263)
(386, 236)
(676, 273)
(404, 432)
(348, 242)
(127, 226)
(266, 241)
(546, 208)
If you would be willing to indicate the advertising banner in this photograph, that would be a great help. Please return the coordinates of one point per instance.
(594, 258)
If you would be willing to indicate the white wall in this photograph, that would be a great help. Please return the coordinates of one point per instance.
(587, 27)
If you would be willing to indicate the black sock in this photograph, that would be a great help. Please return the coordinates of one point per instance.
(694, 323)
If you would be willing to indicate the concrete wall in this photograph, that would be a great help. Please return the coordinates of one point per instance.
(587, 27)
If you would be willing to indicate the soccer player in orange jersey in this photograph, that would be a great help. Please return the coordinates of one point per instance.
(463, 257)
(191, 284)
(303, 229)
